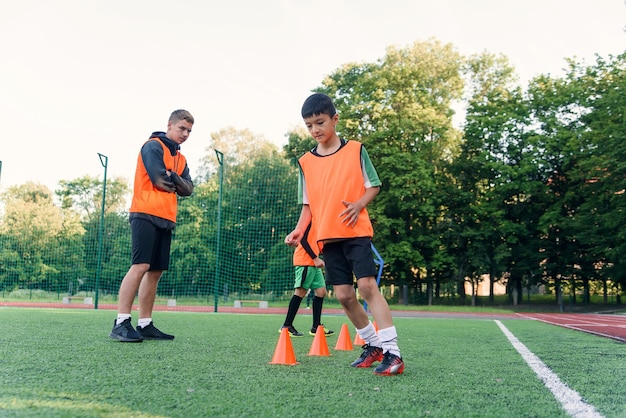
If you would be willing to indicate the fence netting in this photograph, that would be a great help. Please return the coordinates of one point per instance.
(227, 246)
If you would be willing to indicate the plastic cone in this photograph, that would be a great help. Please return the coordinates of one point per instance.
(343, 341)
(319, 346)
(284, 350)
(358, 341)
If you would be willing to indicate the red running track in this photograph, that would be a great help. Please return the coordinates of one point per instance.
(605, 325)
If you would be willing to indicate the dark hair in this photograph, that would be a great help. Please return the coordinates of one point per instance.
(318, 104)
(181, 114)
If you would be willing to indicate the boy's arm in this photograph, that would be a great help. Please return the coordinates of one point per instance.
(351, 213)
(304, 242)
(293, 239)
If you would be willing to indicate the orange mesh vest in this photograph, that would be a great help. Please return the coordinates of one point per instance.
(300, 256)
(329, 180)
(146, 197)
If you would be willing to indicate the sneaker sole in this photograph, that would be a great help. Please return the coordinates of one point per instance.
(292, 335)
(391, 371)
(124, 339)
(366, 365)
(157, 338)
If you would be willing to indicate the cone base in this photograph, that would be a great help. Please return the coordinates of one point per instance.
(319, 346)
(284, 350)
(343, 341)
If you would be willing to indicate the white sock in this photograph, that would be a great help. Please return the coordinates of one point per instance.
(121, 317)
(144, 322)
(368, 334)
(389, 339)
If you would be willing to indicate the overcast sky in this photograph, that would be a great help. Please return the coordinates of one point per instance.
(81, 77)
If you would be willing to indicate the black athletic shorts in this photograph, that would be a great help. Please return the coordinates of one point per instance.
(150, 245)
(347, 259)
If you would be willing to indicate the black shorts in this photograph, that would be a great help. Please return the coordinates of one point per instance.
(150, 245)
(347, 259)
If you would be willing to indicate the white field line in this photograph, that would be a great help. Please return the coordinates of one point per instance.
(571, 401)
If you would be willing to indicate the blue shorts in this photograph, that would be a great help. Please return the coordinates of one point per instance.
(150, 245)
(347, 259)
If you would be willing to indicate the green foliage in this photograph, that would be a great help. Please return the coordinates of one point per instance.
(528, 191)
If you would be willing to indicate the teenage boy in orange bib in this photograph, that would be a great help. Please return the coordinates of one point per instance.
(309, 275)
(160, 177)
(337, 182)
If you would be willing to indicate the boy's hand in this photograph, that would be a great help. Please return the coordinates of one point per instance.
(183, 187)
(165, 184)
(351, 214)
(293, 239)
(318, 262)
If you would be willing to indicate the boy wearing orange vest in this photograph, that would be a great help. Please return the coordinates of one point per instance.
(337, 182)
(160, 177)
(308, 268)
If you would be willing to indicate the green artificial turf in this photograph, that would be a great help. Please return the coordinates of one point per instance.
(61, 363)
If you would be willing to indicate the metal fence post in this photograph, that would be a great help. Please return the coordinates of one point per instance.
(104, 160)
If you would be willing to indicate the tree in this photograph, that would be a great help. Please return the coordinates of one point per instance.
(401, 108)
(239, 146)
(84, 196)
(41, 235)
(488, 171)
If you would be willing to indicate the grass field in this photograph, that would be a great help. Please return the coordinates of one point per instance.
(61, 363)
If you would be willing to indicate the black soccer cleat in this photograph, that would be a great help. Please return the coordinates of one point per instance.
(125, 332)
(327, 332)
(368, 356)
(390, 366)
(150, 332)
(292, 331)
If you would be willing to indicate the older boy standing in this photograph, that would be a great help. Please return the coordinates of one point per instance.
(337, 182)
(160, 177)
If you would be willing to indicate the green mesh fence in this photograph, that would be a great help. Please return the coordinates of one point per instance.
(228, 245)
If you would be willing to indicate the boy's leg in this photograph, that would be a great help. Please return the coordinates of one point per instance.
(392, 363)
(147, 293)
(294, 305)
(318, 303)
(357, 315)
(299, 292)
(317, 284)
(122, 328)
(368, 289)
(372, 350)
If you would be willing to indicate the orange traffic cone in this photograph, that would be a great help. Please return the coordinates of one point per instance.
(319, 346)
(358, 340)
(343, 341)
(284, 350)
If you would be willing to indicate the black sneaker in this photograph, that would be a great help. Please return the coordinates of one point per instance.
(368, 356)
(125, 332)
(292, 331)
(327, 331)
(150, 332)
(391, 365)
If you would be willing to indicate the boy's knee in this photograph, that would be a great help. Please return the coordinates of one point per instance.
(346, 299)
(320, 292)
(367, 287)
(300, 292)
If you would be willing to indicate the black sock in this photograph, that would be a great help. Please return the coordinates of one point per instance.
(317, 311)
(294, 305)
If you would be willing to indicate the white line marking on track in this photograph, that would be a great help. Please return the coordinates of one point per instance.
(571, 401)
